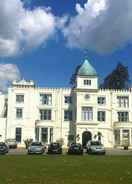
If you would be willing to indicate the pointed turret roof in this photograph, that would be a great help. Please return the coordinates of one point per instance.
(87, 69)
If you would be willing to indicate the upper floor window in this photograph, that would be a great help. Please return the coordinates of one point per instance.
(101, 100)
(87, 96)
(101, 115)
(123, 116)
(123, 101)
(87, 82)
(19, 98)
(87, 113)
(45, 99)
(19, 113)
(45, 114)
(67, 115)
(68, 99)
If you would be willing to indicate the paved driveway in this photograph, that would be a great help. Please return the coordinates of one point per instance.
(23, 151)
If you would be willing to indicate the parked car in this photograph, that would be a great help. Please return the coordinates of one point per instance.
(11, 143)
(36, 148)
(75, 148)
(3, 148)
(54, 148)
(95, 147)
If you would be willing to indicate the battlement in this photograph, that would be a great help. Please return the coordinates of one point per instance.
(116, 90)
(23, 83)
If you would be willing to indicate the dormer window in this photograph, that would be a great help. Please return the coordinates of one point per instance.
(87, 82)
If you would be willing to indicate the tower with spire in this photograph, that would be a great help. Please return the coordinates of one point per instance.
(87, 77)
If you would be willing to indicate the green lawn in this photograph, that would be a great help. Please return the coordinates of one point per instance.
(65, 169)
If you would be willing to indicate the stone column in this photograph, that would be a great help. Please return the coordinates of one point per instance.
(48, 135)
(130, 136)
(39, 134)
(120, 136)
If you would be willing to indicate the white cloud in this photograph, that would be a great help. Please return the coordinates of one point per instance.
(8, 73)
(100, 25)
(22, 29)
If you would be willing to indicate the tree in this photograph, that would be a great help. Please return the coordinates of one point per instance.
(98, 136)
(74, 75)
(117, 79)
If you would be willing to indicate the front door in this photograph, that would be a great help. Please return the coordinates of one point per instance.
(86, 136)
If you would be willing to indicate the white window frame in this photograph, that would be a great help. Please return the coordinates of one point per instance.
(19, 98)
(101, 100)
(101, 115)
(87, 82)
(45, 114)
(123, 116)
(19, 113)
(123, 101)
(87, 113)
(45, 99)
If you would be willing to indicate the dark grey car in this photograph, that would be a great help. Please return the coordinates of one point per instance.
(3, 148)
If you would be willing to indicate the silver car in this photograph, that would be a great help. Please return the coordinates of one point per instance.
(11, 143)
(36, 148)
(95, 147)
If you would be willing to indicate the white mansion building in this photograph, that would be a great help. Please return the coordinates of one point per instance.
(65, 114)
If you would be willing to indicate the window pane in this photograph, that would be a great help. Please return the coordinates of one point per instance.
(123, 116)
(51, 135)
(44, 135)
(87, 82)
(46, 99)
(67, 115)
(18, 134)
(87, 113)
(19, 98)
(45, 114)
(101, 100)
(101, 115)
(123, 101)
(68, 99)
(19, 113)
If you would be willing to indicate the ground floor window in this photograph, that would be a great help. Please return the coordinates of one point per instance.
(44, 135)
(18, 134)
(122, 137)
(125, 136)
(51, 135)
(117, 137)
(37, 134)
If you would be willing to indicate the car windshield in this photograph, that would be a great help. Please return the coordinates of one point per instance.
(10, 140)
(76, 145)
(2, 144)
(55, 145)
(96, 143)
(36, 144)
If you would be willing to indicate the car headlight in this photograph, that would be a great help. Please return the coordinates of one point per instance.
(29, 148)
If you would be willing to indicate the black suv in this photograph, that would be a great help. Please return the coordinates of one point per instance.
(75, 148)
(54, 148)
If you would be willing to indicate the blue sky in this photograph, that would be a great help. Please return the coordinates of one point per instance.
(52, 62)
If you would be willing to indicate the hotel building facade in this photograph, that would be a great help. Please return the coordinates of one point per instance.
(66, 115)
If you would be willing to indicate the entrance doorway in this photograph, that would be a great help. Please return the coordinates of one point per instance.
(86, 136)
